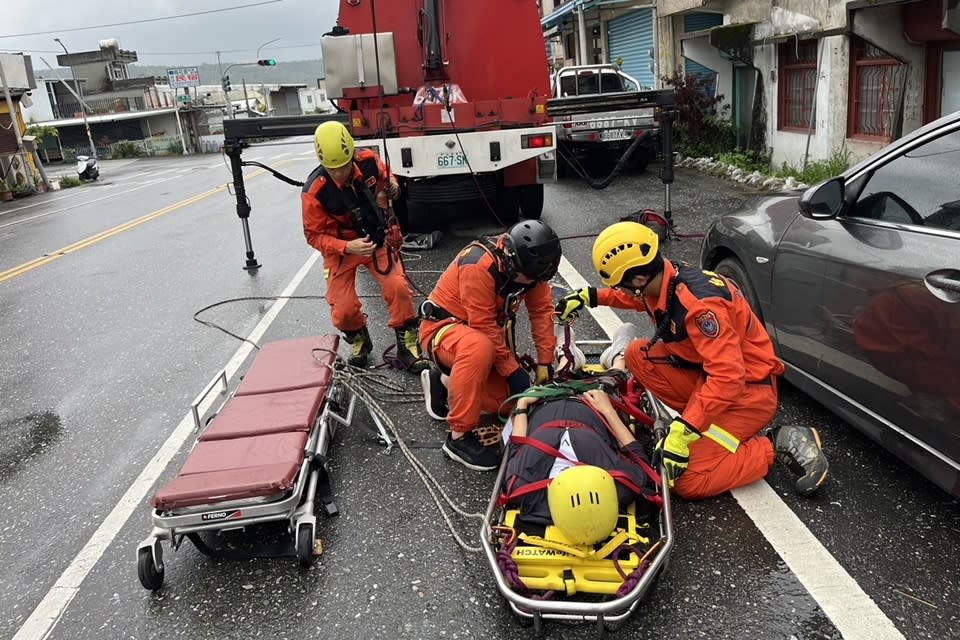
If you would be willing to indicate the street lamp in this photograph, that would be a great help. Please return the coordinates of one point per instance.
(83, 109)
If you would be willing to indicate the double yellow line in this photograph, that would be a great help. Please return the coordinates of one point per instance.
(109, 233)
(103, 235)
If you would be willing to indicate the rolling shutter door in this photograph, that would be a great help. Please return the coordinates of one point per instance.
(700, 21)
(694, 68)
(631, 37)
(8, 139)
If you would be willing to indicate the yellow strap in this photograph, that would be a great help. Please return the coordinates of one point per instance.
(537, 541)
(723, 438)
(439, 334)
(612, 544)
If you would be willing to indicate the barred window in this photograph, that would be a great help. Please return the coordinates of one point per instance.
(876, 91)
(797, 85)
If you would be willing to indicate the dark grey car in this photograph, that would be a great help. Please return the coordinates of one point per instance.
(858, 284)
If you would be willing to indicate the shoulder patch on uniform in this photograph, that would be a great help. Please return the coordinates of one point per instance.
(708, 324)
(370, 182)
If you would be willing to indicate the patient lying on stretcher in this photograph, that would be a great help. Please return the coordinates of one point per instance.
(573, 463)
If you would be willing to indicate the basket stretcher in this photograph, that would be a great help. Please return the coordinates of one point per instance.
(602, 584)
(261, 457)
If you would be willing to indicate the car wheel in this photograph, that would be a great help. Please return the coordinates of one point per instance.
(733, 269)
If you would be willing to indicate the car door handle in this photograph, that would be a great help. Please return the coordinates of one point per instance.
(944, 282)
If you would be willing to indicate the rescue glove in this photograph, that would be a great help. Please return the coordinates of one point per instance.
(574, 301)
(544, 374)
(674, 449)
(519, 381)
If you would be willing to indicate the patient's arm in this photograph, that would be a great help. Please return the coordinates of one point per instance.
(519, 420)
(600, 401)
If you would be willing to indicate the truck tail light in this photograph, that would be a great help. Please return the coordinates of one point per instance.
(537, 141)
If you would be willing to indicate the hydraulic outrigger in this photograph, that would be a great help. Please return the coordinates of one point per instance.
(239, 133)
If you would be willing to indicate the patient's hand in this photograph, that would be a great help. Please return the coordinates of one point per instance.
(599, 401)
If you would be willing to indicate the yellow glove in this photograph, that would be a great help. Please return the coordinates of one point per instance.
(674, 450)
(544, 374)
(574, 301)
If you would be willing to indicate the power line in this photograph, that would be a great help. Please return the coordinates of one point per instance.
(174, 53)
(120, 24)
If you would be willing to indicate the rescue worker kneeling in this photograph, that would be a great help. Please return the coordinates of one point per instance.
(467, 327)
(710, 359)
(346, 223)
(571, 446)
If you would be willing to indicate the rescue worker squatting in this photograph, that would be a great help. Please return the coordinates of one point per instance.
(709, 359)
(479, 294)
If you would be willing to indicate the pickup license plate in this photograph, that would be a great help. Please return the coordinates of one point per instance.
(615, 134)
(448, 160)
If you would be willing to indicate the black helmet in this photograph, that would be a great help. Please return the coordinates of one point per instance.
(534, 248)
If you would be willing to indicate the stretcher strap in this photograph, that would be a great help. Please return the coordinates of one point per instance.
(540, 485)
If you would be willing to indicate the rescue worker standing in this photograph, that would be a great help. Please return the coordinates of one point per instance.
(467, 327)
(344, 221)
(710, 359)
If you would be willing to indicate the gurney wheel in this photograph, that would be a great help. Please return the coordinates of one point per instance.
(150, 576)
(305, 545)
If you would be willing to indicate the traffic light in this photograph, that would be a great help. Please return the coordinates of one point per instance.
(225, 83)
(267, 63)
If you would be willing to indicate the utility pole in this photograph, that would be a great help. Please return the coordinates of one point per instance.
(79, 96)
(226, 98)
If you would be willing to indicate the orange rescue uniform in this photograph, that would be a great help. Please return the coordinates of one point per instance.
(327, 226)
(472, 343)
(714, 364)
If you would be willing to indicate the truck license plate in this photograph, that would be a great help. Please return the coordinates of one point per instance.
(447, 160)
(614, 134)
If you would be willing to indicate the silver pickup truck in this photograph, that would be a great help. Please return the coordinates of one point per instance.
(602, 136)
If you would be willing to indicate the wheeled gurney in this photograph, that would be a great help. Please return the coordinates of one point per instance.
(261, 457)
(544, 577)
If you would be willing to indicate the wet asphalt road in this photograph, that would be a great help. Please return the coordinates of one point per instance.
(101, 359)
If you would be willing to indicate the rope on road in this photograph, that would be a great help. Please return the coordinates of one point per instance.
(368, 386)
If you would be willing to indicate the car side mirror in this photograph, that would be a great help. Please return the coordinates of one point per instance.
(824, 200)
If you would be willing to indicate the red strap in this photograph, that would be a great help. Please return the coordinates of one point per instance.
(533, 487)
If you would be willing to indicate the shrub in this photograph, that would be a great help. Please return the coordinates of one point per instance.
(747, 160)
(700, 130)
(69, 181)
(814, 172)
(127, 149)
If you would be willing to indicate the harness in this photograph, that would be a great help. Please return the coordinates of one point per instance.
(502, 272)
(618, 476)
(364, 216)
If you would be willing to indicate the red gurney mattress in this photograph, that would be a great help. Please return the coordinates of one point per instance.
(220, 470)
(290, 364)
(280, 412)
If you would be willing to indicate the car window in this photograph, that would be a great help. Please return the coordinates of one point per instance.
(568, 86)
(611, 83)
(588, 83)
(919, 187)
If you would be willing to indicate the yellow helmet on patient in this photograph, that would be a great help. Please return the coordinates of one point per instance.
(583, 504)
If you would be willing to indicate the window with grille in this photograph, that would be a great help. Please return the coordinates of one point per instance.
(876, 91)
(798, 82)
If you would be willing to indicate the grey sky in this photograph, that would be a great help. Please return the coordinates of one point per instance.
(177, 42)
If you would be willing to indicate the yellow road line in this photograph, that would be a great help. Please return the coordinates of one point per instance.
(103, 235)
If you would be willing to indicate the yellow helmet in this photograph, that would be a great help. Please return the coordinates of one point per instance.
(583, 504)
(334, 145)
(623, 246)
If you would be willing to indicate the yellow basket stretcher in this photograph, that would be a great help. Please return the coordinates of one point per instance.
(544, 577)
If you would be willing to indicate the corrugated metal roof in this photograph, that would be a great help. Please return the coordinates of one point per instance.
(107, 117)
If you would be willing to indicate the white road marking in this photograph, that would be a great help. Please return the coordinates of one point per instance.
(45, 617)
(855, 615)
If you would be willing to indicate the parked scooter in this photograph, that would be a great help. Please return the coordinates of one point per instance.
(87, 168)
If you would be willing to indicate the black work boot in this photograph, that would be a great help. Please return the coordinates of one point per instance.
(799, 449)
(360, 346)
(408, 349)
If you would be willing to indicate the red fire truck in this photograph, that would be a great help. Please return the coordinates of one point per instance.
(453, 95)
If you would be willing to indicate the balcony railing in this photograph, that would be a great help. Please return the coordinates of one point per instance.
(98, 107)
